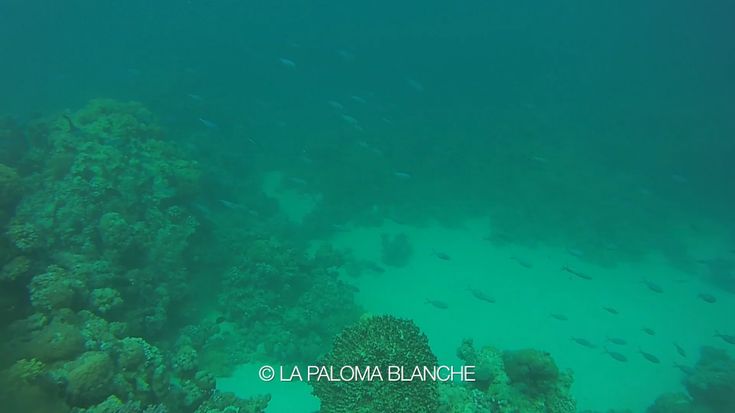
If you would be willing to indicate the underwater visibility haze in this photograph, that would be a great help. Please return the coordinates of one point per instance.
(195, 191)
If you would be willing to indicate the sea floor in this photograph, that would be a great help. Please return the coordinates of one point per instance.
(526, 298)
(521, 316)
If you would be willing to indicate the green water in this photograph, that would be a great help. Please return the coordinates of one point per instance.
(191, 190)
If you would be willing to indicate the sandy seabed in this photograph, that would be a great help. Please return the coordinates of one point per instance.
(521, 317)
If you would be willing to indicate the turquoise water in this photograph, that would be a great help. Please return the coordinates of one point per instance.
(192, 190)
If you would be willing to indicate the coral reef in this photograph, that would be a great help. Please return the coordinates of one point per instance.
(532, 372)
(93, 259)
(712, 383)
(675, 403)
(379, 341)
(10, 187)
(525, 380)
(287, 302)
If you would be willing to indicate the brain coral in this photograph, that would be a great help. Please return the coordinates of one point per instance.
(379, 341)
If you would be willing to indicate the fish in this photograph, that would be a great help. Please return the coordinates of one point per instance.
(680, 350)
(346, 55)
(650, 357)
(679, 179)
(358, 99)
(617, 340)
(229, 204)
(481, 295)
(297, 181)
(707, 298)
(336, 105)
(415, 85)
(684, 369)
(438, 304)
(558, 316)
(441, 255)
(575, 252)
(402, 175)
(726, 337)
(523, 263)
(286, 62)
(374, 267)
(653, 286)
(616, 356)
(354, 123)
(208, 123)
(649, 331)
(611, 310)
(576, 273)
(73, 129)
(195, 97)
(349, 119)
(583, 342)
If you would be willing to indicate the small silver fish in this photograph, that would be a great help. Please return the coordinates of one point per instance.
(415, 85)
(576, 273)
(287, 62)
(653, 286)
(707, 298)
(725, 337)
(558, 316)
(576, 252)
(522, 262)
(617, 340)
(336, 105)
(441, 255)
(374, 267)
(349, 119)
(611, 310)
(583, 342)
(346, 55)
(402, 175)
(208, 123)
(438, 304)
(680, 350)
(480, 295)
(358, 99)
(650, 357)
(616, 356)
(229, 204)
